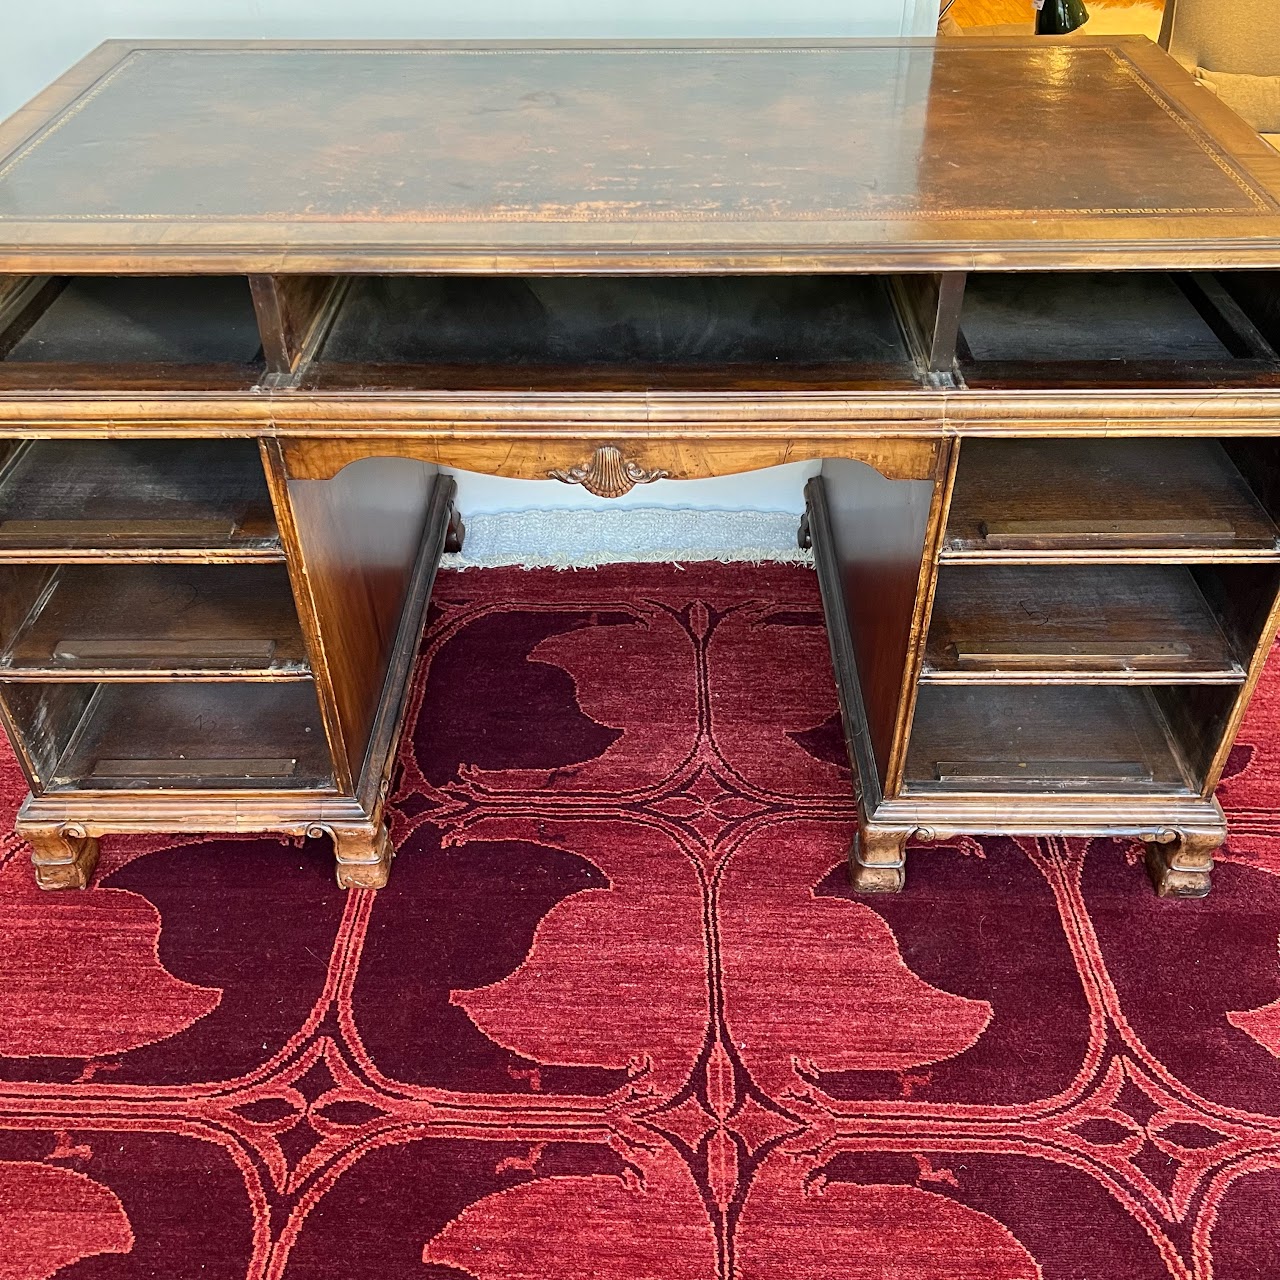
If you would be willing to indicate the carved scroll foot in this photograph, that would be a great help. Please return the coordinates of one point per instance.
(363, 854)
(456, 533)
(878, 858)
(64, 857)
(1180, 864)
(804, 536)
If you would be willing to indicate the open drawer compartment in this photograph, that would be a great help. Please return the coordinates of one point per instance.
(613, 332)
(169, 736)
(128, 332)
(1051, 739)
(1102, 328)
(149, 621)
(136, 499)
(1033, 499)
(1120, 624)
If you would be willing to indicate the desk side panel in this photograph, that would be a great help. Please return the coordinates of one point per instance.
(880, 530)
(358, 536)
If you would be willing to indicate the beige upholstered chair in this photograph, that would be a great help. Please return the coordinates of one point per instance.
(1240, 37)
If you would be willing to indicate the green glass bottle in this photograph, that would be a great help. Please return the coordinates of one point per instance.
(1059, 17)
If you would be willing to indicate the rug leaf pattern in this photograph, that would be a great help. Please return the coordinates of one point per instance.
(618, 1013)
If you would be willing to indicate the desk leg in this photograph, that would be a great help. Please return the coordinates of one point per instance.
(456, 532)
(363, 853)
(1182, 866)
(878, 857)
(64, 856)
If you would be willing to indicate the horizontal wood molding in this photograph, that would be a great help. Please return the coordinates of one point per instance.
(1095, 813)
(909, 458)
(101, 812)
(750, 417)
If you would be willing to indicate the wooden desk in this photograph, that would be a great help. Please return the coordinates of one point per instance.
(1018, 296)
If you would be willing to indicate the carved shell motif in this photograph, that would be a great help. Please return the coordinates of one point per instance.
(607, 473)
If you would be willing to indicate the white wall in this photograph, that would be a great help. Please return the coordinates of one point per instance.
(40, 38)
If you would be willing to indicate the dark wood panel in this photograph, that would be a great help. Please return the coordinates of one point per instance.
(1223, 314)
(929, 309)
(35, 377)
(1258, 294)
(44, 718)
(1090, 316)
(354, 542)
(846, 378)
(132, 320)
(1033, 496)
(1197, 716)
(136, 497)
(553, 331)
(1041, 738)
(1116, 623)
(1258, 460)
(140, 620)
(23, 590)
(1241, 597)
(23, 300)
(1109, 329)
(879, 529)
(1122, 375)
(815, 531)
(291, 310)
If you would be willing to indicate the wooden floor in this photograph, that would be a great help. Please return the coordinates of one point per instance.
(990, 13)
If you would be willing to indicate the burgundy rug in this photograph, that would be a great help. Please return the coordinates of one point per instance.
(617, 1014)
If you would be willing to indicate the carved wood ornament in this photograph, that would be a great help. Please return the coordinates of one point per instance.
(607, 473)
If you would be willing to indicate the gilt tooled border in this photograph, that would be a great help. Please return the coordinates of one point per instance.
(619, 211)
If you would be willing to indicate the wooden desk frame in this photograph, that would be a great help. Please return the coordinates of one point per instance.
(355, 508)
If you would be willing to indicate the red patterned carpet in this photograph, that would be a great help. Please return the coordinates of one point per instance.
(617, 1014)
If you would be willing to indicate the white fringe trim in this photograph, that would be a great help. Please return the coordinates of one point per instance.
(632, 535)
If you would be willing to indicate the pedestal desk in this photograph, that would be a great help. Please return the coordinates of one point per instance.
(1020, 297)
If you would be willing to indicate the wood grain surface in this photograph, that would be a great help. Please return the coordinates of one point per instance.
(730, 156)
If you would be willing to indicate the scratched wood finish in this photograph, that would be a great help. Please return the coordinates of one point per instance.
(617, 156)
